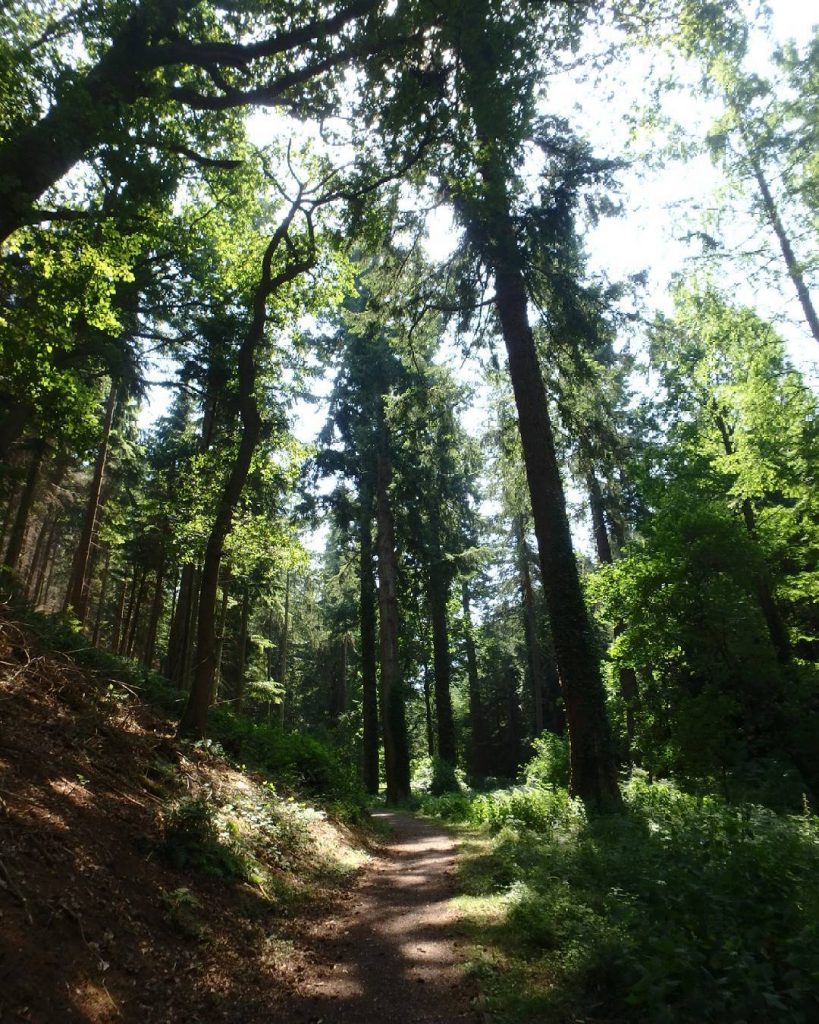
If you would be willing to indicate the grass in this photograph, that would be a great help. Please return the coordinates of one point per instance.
(682, 909)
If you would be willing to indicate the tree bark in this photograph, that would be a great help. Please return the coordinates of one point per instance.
(369, 690)
(393, 719)
(77, 596)
(156, 612)
(194, 718)
(438, 594)
(20, 525)
(593, 771)
(476, 712)
(241, 652)
(788, 255)
(95, 638)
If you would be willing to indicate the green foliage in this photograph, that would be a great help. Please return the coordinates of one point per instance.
(681, 909)
(550, 764)
(436, 777)
(193, 841)
(291, 757)
(182, 908)
(727, 551)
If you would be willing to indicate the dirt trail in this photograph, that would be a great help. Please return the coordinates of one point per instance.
(389, 954)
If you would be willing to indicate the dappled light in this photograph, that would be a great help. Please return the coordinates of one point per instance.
(409, 512)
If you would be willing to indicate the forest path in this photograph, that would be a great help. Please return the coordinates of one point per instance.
(389, 954)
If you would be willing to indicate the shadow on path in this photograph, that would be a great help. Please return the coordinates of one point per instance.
(389, 954)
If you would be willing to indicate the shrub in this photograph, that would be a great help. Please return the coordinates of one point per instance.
(192, 840)
(684, 908)
(550, 764)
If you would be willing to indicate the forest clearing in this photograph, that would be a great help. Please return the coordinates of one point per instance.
(409, 511)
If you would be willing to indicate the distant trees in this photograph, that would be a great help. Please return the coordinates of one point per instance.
(454, 615)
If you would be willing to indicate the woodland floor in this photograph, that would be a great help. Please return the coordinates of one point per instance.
(95, 927)
(388, 954)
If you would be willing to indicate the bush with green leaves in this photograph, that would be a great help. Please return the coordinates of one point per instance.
(192, 840)
(550, 764)
(682, 909)
(436, 776)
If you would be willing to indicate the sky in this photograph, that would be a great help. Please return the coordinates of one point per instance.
(658, 207)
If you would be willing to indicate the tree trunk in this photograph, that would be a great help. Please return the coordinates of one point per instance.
(369, 690)
(601, 534)
(438, 594)
(593, 771)
(13, 423)
(195, 717)
(179, 631)
(156, 613)
(20, 526)
(52, 567)
(37, 555)
(393, 719)
(220, 642)
(189, 649)
(791, 263)
(118, 616)
(47, 559)
(77, 596)
(284, 647)
(140, 598)
(241, 650)
(95, 638)
(428, 711)
(476, 712)
(534, 656)
(136, 581)
(593, 774)
(11, 505)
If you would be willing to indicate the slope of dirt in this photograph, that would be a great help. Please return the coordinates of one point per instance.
(96, 925)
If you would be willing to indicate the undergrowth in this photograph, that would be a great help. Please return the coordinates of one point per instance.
(291, 759)
(684, 908)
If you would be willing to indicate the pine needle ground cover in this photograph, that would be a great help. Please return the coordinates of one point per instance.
(142, 878)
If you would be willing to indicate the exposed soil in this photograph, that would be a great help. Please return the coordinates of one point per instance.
(88, 929)
(388, 955)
